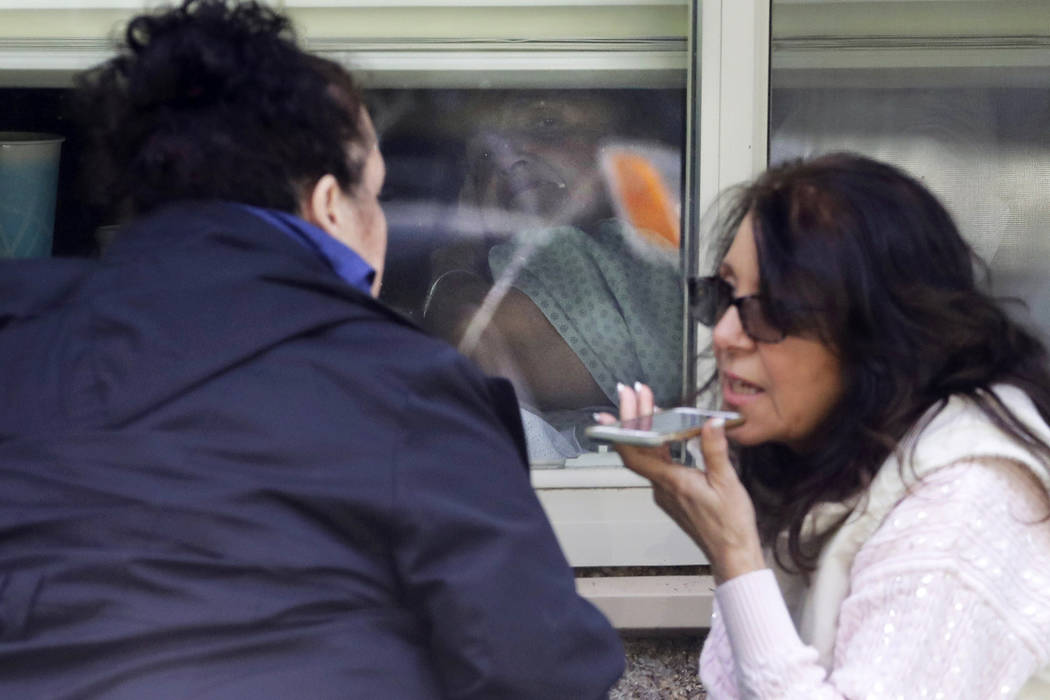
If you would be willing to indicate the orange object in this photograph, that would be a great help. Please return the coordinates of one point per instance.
(644, 198)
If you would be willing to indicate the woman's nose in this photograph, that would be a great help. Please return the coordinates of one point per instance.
(729, 333)
(494, 151)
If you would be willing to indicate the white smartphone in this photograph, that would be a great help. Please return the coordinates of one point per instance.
(671, 425)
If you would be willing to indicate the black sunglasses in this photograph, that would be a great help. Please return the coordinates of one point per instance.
(711, 297)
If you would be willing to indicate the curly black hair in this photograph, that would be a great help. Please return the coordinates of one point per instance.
(213, 99)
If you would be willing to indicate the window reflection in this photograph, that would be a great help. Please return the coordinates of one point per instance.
(985, 150)
(537, 230)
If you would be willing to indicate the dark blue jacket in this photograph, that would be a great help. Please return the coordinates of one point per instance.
(226, 474)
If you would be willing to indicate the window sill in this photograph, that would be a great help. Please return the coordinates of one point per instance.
(665, 604)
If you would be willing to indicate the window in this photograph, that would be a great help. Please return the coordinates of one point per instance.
(534, 153)
(510, 236)
(954, 92)
(534, 198)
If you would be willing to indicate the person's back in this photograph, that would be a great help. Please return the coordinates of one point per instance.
(227, 472)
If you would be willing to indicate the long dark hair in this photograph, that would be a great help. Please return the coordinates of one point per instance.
(214, 100)
(862, 256)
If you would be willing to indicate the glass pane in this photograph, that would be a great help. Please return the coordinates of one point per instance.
(954, 92)
(537, 229)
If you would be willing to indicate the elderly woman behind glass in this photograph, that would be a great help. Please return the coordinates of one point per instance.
(878, 525)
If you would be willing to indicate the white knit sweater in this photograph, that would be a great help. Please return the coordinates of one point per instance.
(945, 588)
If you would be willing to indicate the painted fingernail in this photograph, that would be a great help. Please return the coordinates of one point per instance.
(637, 386)
(620, 387)
(719, 423)
(595, 417)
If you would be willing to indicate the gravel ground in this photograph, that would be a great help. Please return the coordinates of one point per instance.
(660, 668)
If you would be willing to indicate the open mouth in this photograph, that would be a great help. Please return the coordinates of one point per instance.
(526, 190)
(531, 186)
(738, 386)
(531, 189)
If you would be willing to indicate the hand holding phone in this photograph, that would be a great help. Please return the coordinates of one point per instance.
(661, 428)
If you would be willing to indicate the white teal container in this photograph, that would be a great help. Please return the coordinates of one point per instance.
(28, 187)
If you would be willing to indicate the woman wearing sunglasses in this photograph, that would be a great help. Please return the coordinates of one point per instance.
(879, 525)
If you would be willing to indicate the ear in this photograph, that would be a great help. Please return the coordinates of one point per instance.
(325, 206)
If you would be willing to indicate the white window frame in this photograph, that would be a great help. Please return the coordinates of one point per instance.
(607, 517)
(44, 43)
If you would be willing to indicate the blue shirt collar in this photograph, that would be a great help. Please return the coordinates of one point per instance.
(346, 263)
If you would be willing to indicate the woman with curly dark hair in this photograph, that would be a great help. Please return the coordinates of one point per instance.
(228, 471)
(878, 524)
